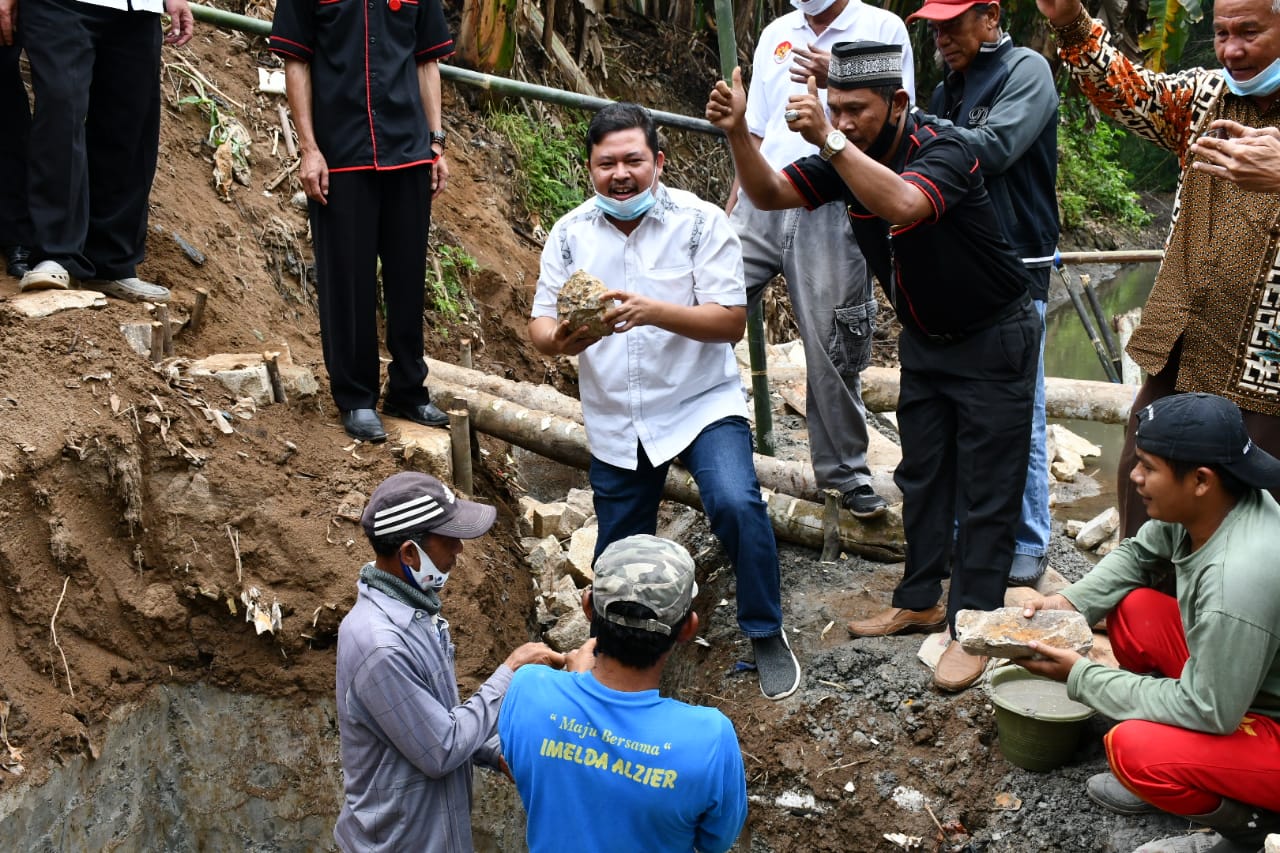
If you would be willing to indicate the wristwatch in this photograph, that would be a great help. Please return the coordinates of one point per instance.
(438, 136)
(835, 144)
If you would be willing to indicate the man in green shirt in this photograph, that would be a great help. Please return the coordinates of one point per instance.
(1198, 691)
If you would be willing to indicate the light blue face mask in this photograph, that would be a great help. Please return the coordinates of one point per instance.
(426, 576)
(1262, 84)
(628, 209)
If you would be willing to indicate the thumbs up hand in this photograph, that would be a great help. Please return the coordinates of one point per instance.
(807, 116)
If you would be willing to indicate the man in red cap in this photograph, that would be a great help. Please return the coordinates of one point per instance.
(1003, 102)
(407, 742)
(1199, 684)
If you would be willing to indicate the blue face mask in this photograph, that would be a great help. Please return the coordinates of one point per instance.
(1265, 82)
(628, 209)
(426, 576)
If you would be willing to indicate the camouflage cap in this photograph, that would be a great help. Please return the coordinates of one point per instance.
(642, 569)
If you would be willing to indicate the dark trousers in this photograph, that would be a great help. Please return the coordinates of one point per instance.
(15, 223)
(95, 73)
(373, 215)
(964, 415)
(1263, 429)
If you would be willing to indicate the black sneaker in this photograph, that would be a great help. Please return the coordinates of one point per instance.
(777, 667)
(1026, 570)
(863, 502)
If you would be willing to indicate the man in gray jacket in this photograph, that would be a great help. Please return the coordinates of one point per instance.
(407, 742)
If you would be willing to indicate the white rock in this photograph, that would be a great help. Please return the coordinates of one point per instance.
(540, 550)
(1098, 529)
(582, 549)
(546, 519)
(570, 631)
(1067, 461)
(1062, 472)
(245, 375)
(42, 303)
(566, 597)
(524, 522)
(1109, 545)
(572, 519)
(1073, 527)
(425, 449)
(1079, 445)
(582, 500)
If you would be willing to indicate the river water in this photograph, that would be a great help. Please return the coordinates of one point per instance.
(1069, 353)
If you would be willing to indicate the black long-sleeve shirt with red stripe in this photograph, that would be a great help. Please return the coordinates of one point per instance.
(364, 56)
(949, 272)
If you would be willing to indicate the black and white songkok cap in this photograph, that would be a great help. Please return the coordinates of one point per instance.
(865, 65)
(410, 504)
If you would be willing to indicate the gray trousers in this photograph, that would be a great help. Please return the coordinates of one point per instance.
(831, 294)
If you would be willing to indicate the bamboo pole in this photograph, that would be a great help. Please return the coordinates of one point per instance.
(460, 449)
(1113, 256)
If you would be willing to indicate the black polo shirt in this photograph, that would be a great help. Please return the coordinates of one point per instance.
(953, 272)
(364, 56)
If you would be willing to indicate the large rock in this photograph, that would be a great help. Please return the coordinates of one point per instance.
(546, 519)
(1005, 632)
(571, 630)
(582, 551)
(583, 500)
(580, 303)
(423, 448)
(1098, 529)
(1065, 438)
(42, 303)
(245, 375)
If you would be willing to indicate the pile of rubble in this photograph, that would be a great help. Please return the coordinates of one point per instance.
(1067, 452)
(559, 541)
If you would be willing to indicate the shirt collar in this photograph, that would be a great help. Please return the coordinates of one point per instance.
(841, 21)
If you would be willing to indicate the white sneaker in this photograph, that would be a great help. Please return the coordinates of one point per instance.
(128, 289)
(46, 275)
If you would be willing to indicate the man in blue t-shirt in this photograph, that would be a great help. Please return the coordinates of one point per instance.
(599, 750)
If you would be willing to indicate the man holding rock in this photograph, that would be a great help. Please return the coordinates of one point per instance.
(407, 742)
(1210, 323)
(1199, 686)
(919, 209)
(665, 383)
(598, 753)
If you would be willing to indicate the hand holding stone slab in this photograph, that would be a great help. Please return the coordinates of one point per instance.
(580, 304)
(1005, 632)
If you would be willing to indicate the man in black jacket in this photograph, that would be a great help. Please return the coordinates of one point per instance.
(1003, 102)
(928, 230)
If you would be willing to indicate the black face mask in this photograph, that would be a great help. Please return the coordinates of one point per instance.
(884, 139)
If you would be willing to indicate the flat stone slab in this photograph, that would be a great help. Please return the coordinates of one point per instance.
(42, 303)
(1005, 632)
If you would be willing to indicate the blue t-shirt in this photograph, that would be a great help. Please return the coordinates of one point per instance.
(616, 772)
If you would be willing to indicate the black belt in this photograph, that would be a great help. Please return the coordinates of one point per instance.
(1011, 310)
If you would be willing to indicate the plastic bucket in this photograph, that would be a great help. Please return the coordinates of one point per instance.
(1038, 725)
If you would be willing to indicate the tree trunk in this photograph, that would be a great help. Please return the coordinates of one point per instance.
(487, 36)
(565, 441)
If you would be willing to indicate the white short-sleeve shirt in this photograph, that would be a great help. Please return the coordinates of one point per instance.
(648, 385)
(771, 84)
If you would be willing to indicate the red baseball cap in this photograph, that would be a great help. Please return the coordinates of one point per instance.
(945, 10)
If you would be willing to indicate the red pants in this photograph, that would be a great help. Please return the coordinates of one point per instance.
(1176, 769)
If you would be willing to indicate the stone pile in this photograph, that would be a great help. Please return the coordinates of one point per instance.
(559, 541)
(1100, 534)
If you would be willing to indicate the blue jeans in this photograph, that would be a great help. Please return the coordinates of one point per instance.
(719, 459)
(1032, 536)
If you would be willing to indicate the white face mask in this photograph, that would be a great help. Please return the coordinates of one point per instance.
(426, 576)
(813, 7)
(1265, 82)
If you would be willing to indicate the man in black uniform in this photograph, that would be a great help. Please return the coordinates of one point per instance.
(970, 335)
(15, 223)
(364, 87)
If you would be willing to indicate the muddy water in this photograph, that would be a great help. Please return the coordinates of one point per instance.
(1069, 353)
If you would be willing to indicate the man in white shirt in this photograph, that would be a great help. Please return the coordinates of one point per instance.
(95, 134)
(814, 250)
(665, 384)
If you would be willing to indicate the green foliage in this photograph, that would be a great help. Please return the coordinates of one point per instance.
(447, 276)
(1091, 182)
(1171, 22)
(553, 175)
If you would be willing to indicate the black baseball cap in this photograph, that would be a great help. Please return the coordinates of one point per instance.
(1206, 429)
(412, 503)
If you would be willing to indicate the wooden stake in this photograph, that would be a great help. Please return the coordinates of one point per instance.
(197, 312)
(465, 359)
(831, 526)
(272, 361)
(287, 127)
(166, 331)
(460, 449)
(157, 341)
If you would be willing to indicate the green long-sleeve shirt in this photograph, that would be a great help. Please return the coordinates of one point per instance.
(1229, 597)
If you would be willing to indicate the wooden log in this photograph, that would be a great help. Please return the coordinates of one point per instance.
(1114, 256)
(286, 128)
(831, 526)
(1104, 402)
(565, 441)
(465, 355)
(559, 54)
(166, 331)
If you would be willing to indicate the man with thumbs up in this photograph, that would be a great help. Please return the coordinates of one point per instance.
(970, 339)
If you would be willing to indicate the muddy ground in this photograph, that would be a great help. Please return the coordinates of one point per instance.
(132, 526)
